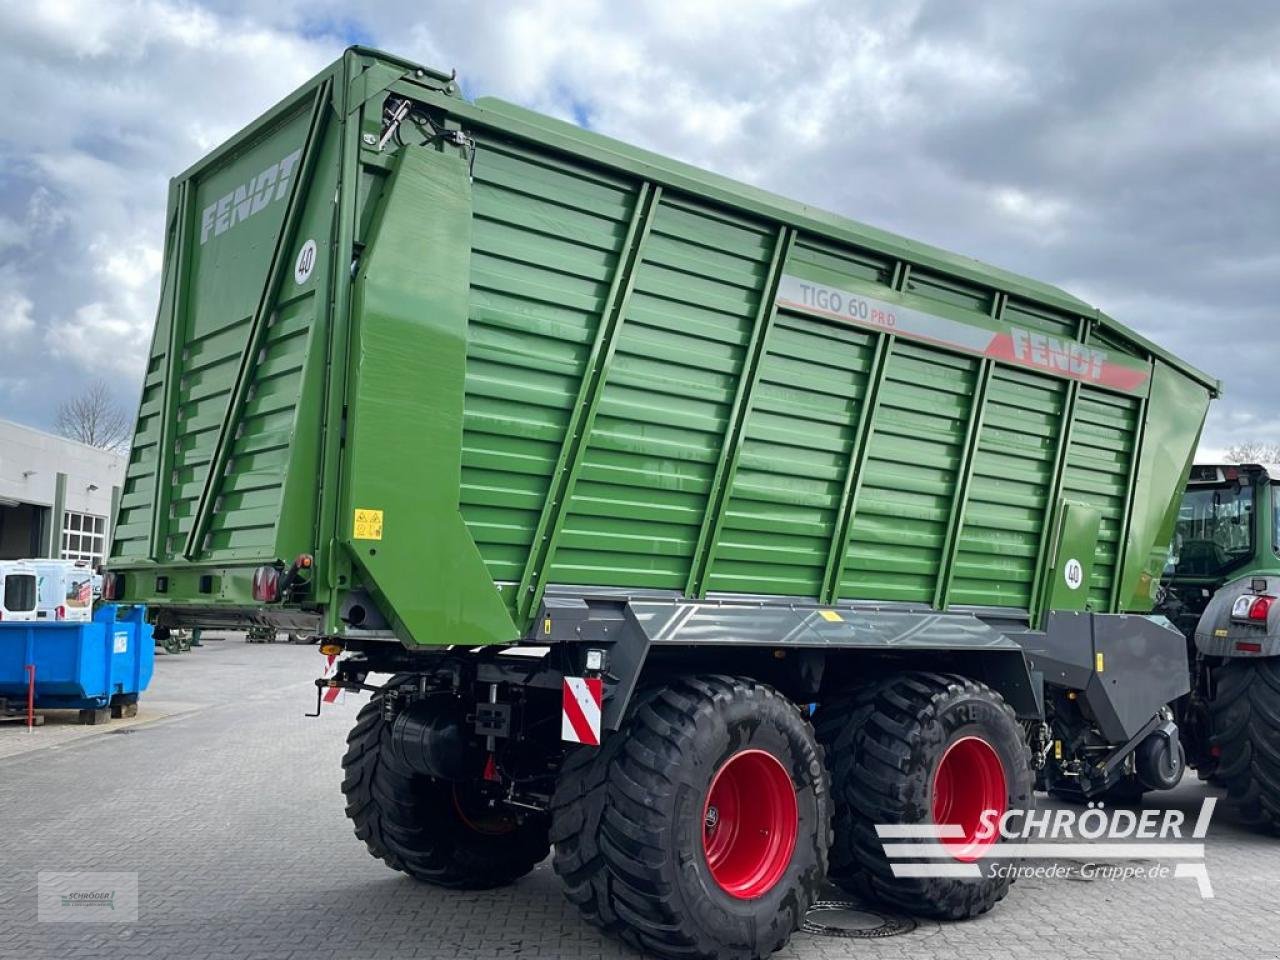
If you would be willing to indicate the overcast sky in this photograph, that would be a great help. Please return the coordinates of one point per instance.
(1127, 151)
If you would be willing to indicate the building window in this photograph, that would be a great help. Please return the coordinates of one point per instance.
(84, 537)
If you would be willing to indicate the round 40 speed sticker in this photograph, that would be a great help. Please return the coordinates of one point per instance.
(1073, 573)
(305, 263)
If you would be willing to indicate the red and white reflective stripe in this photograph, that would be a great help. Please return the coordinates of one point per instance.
(331, 694)
(580, 712)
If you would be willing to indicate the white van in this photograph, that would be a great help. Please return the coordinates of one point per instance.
(18, 590)
(65, 590)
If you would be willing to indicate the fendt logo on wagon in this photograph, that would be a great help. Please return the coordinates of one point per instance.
(251, 197)
(1055, 353)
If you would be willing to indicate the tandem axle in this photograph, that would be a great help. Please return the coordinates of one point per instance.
(453, 711)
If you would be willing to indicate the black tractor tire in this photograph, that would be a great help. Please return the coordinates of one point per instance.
(416, 824)
(635, 830)
(884, 744)
(1246, 731)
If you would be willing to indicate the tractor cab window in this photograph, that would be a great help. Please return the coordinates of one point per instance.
(1214, 533)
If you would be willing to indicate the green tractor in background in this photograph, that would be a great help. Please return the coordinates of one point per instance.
(1220, 589)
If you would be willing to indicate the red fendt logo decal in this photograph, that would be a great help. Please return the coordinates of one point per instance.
(1064, 357)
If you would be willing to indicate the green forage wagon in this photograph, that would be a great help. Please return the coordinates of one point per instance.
(699, 531)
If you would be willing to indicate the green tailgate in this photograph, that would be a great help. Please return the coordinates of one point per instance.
(227, 430)
(526, 355)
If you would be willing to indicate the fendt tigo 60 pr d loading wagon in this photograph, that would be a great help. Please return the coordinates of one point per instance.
(700, 531)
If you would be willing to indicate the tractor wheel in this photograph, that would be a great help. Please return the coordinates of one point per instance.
(1246, 731)
(700, 829)
(922, 748)
(434, 830)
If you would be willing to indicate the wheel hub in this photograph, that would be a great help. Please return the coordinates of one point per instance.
(969, 782)
(750, 821)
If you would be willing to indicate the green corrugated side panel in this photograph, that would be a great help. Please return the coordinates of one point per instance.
(1043, 319)
(1008, 496)
(946, 264)
(808, 219)
(137, 495)
(276, 444)
(645, 477)
(132, 536)
(236, 199)
(1175, 415)
(226, 276)
(546, 236)
(1099, 460)
(798, 442)
(904, 503)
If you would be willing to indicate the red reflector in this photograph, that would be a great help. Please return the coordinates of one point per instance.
(1260, 608)
(61, 612)
(266, 584)
(1248, 646)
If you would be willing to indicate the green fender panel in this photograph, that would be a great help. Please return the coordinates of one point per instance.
(404, 418)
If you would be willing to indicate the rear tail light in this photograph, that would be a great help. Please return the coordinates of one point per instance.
(60, 612)
(266, 584)
(113, 586)
(1261, 607)
(1252, 609)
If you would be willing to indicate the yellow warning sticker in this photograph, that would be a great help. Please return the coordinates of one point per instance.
(831, 616)
(1220, 632)
(368, 525)
(546, 626)
(1098, 664)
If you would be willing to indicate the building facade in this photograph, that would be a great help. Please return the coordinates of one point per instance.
(58, 497)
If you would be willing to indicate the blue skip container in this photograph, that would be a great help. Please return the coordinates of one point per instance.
(103, 663)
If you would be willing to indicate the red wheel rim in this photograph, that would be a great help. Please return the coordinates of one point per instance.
(749, 824)
(490, 821)
(969, 782)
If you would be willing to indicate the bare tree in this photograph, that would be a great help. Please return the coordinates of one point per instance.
(94, 417)
(1252, 451)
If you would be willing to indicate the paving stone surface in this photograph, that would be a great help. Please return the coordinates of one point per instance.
(228, 810)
